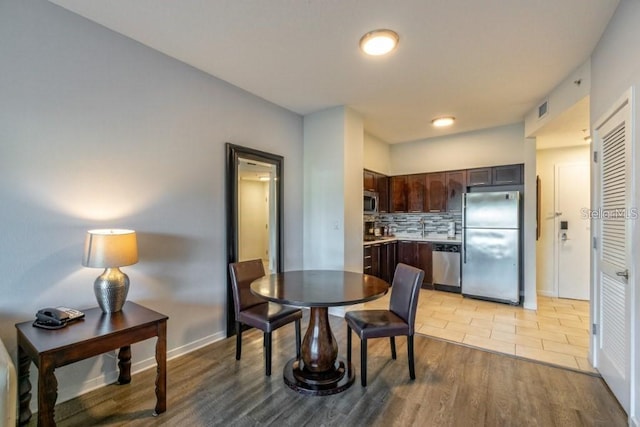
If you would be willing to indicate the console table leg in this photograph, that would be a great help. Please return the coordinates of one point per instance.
(24, 387)
(161, 378)
(47, 393)
(124, 364)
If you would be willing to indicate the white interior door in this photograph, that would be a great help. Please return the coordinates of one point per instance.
(612, 253)
(573, 230)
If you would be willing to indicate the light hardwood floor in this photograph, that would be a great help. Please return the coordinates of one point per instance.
(557, 332)
(456, 385)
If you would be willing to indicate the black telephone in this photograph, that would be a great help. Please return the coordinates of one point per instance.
(56, 318)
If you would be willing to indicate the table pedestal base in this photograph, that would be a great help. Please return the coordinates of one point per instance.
(333, 381)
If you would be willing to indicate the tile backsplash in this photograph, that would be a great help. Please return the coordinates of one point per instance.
(412, 224)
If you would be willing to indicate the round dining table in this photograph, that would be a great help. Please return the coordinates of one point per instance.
(319, 372)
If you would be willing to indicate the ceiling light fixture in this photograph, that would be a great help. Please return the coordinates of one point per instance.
(444, 121)
(379, 42)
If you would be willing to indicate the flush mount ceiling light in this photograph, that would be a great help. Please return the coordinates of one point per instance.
(444, 121)
(379, 42)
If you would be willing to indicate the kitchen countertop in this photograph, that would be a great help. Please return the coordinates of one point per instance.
(433, 238)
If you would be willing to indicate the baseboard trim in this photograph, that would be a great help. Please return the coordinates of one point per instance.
(549, 294)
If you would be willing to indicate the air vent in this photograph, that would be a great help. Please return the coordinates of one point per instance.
(542, 109)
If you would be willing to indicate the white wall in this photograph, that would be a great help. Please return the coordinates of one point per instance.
(545, 168)
(353, 164)
(489, 147)
(333, 152)
(376, 154)
(615, 67)
(565, 95)
(97, 130)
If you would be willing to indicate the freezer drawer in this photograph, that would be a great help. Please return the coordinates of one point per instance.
(490, 265)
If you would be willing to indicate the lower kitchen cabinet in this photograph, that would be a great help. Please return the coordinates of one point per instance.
(366, 260)
(375, 259)
(380, 260)
(425, 261)
(388, 261)
(417, 254)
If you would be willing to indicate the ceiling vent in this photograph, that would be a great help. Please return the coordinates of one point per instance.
(543, 109)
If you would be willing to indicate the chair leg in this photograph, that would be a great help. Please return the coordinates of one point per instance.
(267, 351)
(412, 369)
(363, 362)
(392, 340)
(348, 345)
(238, 340)
(298, 339)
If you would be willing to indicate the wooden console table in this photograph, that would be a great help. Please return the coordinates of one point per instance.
(96, 334)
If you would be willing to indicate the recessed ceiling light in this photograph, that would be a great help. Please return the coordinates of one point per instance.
(440, 122)
(379, 42)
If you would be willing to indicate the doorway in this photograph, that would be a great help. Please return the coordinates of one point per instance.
(564, 195)
(254, 212)
(573, 228)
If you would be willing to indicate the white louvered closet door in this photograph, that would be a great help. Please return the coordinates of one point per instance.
(612, 296)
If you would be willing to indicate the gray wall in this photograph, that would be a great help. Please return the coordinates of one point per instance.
(615, 67)
(97, 130)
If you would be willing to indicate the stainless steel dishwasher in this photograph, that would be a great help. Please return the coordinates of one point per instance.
(446, 267)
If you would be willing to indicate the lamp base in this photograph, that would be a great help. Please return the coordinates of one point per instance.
(111, 289)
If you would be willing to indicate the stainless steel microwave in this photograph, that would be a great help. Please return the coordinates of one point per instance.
(370, 202)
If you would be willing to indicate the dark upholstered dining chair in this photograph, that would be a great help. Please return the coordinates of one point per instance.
(399, 319)
(254, 311)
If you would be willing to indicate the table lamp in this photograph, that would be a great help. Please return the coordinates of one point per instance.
(110, 249)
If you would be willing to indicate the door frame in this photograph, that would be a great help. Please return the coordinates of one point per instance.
(233, 153)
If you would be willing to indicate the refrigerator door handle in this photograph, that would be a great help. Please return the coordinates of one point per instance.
(464, 251)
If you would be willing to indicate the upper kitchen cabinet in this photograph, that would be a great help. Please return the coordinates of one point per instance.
(436, 192)
(479, 176)
(398, 189)
(508, 174)
(382, 186)
(416, 192)
(373, 181)
(369, 180)
(456, 185)
(497, 175)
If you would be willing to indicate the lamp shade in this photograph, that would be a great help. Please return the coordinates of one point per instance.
(110, 248)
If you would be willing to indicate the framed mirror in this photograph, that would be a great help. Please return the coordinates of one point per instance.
(254, 212)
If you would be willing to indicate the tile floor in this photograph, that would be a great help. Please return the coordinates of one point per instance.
(556, 333)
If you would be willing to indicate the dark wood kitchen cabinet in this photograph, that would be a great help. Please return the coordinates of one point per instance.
(388, 261)
(479, 176)
(425, 261)
(507, 174)
(416, 193)
(456, 186)
(417, 254)
(375, 259)
(373, 181)
(366, 260)
(369, 181)
(380, 260)
(382, 185)
(436, 192)
(398, 196)
(407, 252)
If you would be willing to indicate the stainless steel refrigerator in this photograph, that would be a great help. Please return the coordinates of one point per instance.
(491, 246)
